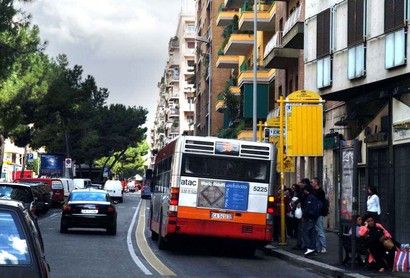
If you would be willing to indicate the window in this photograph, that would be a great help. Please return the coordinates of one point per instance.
(356, 63)
(190, 63)
(323, 34)
(324, 62)
(191, 45)
(355, 23)
(226, 168)
(393, 15)
(395, 49)
(324, 72)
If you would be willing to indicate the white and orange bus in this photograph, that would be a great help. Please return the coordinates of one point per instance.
(213, 187)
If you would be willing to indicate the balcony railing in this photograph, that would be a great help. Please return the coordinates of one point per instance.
(274, 42)
(294, 18)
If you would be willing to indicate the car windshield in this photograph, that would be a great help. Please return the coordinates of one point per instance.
(88, 196)
(17, 193)
(13, 243)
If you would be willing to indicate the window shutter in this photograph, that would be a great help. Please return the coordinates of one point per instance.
(359, 20)
(388, 15)
(355, 13)
(393, 15)
(398, 13)
(323, 34)
(351, 22)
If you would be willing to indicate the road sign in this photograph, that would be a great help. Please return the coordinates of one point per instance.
(68, 163)
(30, 157)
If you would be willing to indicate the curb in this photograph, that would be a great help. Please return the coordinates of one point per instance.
(317, 266)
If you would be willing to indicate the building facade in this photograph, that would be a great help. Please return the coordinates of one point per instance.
(210, 80)
(355, 56)
(175, 109)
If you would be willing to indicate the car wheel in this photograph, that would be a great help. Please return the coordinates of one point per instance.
(112, 230)
(63, 228)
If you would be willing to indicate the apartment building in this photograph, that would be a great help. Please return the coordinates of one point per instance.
(175, 108)
(356, 57)
(210, 80)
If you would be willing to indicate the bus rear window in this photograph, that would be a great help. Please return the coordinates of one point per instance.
(226, 168)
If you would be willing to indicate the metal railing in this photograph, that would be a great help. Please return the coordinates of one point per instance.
(274, 42)
(294, 18)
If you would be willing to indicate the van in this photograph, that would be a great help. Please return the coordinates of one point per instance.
(114, 189)
(68, 185)
(81, 183)
(56, 186)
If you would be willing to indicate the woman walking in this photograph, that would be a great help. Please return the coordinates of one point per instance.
(373, 203)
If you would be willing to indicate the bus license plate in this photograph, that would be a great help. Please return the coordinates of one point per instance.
(220, 215)
(89, 211)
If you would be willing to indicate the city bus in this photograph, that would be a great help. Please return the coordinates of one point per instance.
(213, 187)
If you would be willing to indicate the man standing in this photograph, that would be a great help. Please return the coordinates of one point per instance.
(311, 208)
(320, 231)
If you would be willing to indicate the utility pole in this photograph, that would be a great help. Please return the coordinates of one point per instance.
(255, 61)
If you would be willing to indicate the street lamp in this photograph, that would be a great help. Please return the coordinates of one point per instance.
(208, 42)
(255, 60)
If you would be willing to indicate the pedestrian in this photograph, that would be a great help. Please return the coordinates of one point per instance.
(373, 203)
(320, 230)
(299, 193)
(380, 244)
(347, 241)
(311, 209)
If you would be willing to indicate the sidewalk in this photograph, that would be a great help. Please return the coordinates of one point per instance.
(327, 263)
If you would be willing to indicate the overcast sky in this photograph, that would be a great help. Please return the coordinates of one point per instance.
(122, 43)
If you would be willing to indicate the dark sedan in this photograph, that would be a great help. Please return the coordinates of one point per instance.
(89, 208)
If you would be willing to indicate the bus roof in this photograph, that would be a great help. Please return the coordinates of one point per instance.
(218, 146)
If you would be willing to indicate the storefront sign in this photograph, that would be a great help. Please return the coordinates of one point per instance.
(401, 123)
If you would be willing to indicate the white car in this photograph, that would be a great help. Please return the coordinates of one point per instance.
(81, 183)
(114, 189)
(131, 186)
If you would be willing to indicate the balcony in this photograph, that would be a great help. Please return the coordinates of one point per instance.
(173, 44)
(265, 17)
(233, 4)
(173, 113)
(225, 16)
(227, 61)
(189, 52)
(220, 106)
(173, 75)
(245, 134)
(189, 33)
(293, 30)
(235, 90)
(276, 56)
(173, 96)
(239, 44)
(263, 76)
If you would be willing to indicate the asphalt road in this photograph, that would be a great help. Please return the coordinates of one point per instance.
(92, 253)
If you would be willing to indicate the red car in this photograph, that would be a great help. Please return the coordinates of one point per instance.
(57, 188)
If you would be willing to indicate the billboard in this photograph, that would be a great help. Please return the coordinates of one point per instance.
(52, 165)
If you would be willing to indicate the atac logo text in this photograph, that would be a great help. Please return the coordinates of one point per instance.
(187, 182)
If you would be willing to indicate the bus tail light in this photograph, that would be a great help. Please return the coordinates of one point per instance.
(271, 201)
(173, 201)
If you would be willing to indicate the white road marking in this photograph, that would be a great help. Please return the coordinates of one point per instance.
(134, 256)
(146, 251)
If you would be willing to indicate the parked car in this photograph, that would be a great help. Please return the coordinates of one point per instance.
(36, 197)
(95, 186)
(131, 186)
(115, 190)
(68, 185)
(89, 208)
(81, 183)
(56, 186)
(22, 254)
(146, 185)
